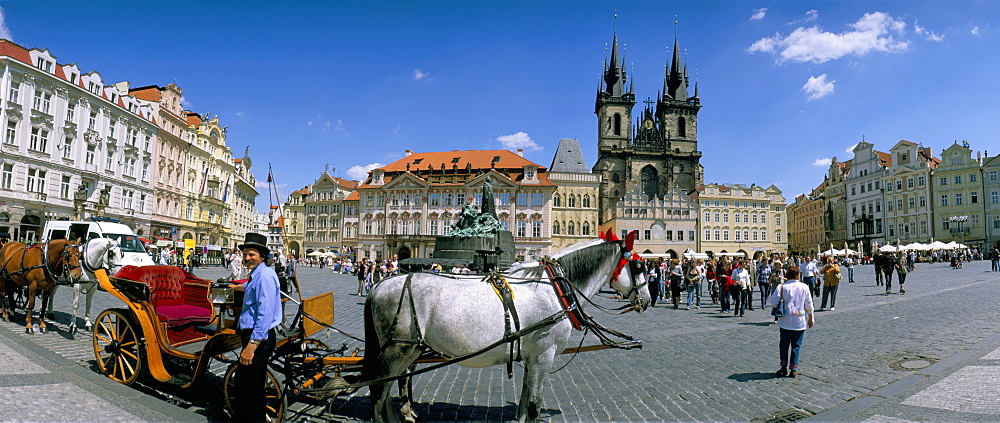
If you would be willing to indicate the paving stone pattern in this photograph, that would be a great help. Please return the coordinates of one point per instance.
(697, 365)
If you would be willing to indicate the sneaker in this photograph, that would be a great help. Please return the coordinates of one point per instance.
(833, 308)
(687, 308)
(791, 373)
(902, 291)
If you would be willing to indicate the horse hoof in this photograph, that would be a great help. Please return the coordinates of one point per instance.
(29, 331)
(42, 329)
(72, 329)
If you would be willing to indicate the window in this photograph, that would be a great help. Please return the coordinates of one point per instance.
(394, 199)
(958, 179)
(718, 235)
(8, 176)
(708, 235)
(536, 229)
(958, 199)
(899, 204)
(763, 235)
(754, 218)
(557, 201)
(944, 200)
(899, 184)
(15, 92)
(777, 220)
(447, 199)
(716, 203)
(738, 235)
(995, 197)
(10, 135)
(522, 199)
(36, 181)
(522, 227)
(923, 226)
(67, 148)
(64, 187)
(680, 235)
(754, 235)
(763, 218)
(42, 101)
(555, 228)
(39, 139)
(504, 199)
(669, 235)
(910, 202)
(93, 121)
(44, 65)
(708, 217)
(920, 181)
(570, 201)
(746, 235)
(944, 181)
(708, 203)
(889, 206)
(725, 235)
(945, 224)
(972, 177)
(745, 218)
(974, 197)
(586, 229)
(725, 218)
(586, 201)
(777, 236)
(536, 200)
(909, 183)
(993, 175)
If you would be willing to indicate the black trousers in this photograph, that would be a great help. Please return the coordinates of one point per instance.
(251, 380)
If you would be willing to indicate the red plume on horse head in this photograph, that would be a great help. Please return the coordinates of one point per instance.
(630, 239)
(610, 236)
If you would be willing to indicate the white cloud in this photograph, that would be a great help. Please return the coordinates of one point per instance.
(810, 15)
(818, 87)
(326, 126)
(4, 31)
(186, 103)
(310, 123)
(518, 140)
(822, 162)
(340, 125)
(975, 31)
(850, 150)
(240, 114)
(929, 35)
(419, 75)
(873, 32)
(758, 14)
(360, 173)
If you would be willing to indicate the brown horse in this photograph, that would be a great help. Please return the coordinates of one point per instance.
(38, 267)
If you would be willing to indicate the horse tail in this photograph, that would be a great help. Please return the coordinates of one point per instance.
(373, 348)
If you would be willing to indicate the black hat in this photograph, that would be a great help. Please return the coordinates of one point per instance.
(257, 242)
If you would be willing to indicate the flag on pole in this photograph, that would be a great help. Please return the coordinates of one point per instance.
(269, 178)
(225, 194)
(204, 181)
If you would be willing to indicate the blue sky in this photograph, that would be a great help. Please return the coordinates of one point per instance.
(784, 85)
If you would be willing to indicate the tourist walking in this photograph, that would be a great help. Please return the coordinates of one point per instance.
(361, 272)
(831, 280)
(676, 280)
(849, 265)
(995, 259)
(888, 265)
(877, 263)
(654, 283)
(725, 283)
(798, 316)
(809, 273)
(693, 279)
(902, 268)
(764, 282)
(741, 280)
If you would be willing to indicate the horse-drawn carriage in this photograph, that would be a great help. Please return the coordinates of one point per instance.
(173, 324)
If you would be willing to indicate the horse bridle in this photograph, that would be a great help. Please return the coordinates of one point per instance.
(634, 288)
(83, 255)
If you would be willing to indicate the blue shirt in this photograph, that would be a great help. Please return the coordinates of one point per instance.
(261, 302)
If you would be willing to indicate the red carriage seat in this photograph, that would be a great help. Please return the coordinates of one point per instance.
(178, 297)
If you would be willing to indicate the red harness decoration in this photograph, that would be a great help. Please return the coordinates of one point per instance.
(565, 299)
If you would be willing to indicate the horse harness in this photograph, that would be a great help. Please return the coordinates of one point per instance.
(45, 265)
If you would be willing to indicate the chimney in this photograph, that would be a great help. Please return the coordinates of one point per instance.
(409, 153)
(520, 152)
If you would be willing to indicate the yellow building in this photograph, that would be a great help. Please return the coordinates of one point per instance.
(907, 193)
(957, 191)
(741, 218)
(666, 225)
(574, 203)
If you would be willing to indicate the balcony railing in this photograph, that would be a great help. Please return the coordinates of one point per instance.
(960, 230)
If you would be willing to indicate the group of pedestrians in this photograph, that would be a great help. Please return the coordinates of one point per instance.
(371, 272)
(888, 263)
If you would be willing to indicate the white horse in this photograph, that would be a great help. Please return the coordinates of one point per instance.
(97, 253)
(459, 316)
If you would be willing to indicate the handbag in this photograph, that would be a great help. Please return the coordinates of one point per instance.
(779, 309)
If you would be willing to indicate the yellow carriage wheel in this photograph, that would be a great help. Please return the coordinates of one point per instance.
(274, 395)
(117, 346)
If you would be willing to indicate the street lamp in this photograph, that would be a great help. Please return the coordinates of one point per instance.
(960, 231)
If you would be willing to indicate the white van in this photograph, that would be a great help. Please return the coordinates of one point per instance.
(133, 251)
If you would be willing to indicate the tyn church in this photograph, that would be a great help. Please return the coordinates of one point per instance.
(659, 152)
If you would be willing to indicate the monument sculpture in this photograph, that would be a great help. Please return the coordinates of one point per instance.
(477, 240)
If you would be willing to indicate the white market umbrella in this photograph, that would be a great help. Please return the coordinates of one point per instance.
(915, 246)
(937, 245)
(889, 248)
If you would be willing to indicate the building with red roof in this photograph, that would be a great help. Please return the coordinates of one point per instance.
(404, 205)
(67, 136)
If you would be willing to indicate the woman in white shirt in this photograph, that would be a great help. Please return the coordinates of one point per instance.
(798, 316)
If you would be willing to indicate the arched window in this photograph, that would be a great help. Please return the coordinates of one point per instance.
(615, 178)
(586, 228)
(618, 124)
(586, 201)
(571, 201)
(681, 127)
(571, 230)
(557, 201)
(555, 227)
(650, 182)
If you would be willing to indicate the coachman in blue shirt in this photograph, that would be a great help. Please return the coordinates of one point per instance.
(260, 315)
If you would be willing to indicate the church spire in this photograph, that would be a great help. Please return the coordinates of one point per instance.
(614, 72)
(677, 75)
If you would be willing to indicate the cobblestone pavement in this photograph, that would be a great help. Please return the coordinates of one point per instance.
(931, 354)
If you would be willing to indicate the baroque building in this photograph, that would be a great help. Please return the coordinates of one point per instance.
(835, 193)
(73, 147)
(907, 191)
(660, 151)
(404, 205)
(315, 215)
(740, 218)
(958, 187)
(806, 221)
(863, 188)
(575, 216)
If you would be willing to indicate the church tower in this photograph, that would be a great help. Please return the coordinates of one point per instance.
(659, 151)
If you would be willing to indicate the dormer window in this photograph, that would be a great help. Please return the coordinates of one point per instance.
(72, 78)
(94, 88)
(43, 64)
(417, 161)
(496, 159)
(455, 160)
